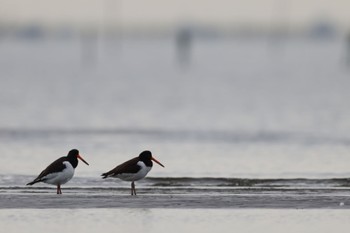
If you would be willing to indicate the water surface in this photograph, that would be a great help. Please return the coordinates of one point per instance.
(174, 220)
(254, 135)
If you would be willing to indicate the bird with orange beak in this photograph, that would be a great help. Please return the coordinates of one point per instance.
(60, 171)
(133, 169)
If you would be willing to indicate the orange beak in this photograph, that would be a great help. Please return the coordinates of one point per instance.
(157, 161)
(79, 157)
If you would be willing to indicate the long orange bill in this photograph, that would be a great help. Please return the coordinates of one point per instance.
(79, 157)
(157, 161)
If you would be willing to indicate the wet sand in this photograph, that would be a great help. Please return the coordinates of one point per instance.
(218, 198)
(136, 220)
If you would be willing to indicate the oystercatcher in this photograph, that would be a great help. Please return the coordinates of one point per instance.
(60, 171)
(133, 169)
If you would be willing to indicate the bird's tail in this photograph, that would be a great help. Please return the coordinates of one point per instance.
(33, 182)
(105, 175)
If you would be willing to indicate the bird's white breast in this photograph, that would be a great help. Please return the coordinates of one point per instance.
(61, 177)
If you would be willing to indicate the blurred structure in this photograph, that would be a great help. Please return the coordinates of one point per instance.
(348, 49)
(184, 40)
(111, 21)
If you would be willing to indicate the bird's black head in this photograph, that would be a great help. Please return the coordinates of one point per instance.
(146, 157)
(73, 156)
(73, 153)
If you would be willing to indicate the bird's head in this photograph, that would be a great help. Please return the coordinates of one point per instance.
(147, 156)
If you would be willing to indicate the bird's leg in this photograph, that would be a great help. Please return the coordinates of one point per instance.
(59, 189)
(133, 190)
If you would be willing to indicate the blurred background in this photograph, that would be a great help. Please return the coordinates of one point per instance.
(213, 88)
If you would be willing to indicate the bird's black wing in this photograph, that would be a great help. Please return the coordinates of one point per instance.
(129, 166)
(55, 166)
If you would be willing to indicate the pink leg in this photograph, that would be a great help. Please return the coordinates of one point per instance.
(59, 189)
(133, 189)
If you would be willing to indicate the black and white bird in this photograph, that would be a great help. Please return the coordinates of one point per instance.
(133, 169)
(60, 171)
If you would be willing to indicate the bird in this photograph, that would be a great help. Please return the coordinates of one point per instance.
(60, 171)
(133, 169)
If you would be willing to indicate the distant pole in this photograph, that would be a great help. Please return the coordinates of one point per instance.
(184, 40)
(280, 24)
(112, 25)
(348, 49)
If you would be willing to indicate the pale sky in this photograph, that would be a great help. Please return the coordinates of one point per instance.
(168, 13)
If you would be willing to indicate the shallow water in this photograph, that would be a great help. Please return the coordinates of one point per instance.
(184, 154)
(174, 220)
(241, 108)
(218, 193)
